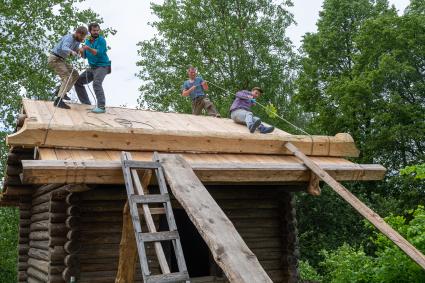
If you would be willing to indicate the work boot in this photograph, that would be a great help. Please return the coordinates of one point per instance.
(98, 110)
(265, 130)
(60, 104)
(65, 97)
(253, 126)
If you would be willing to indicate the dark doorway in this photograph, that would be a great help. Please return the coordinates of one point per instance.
(196, 253)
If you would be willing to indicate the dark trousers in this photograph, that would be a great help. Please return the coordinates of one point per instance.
(95, 75)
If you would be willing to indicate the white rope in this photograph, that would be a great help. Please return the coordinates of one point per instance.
(265, 108)
(61, 95)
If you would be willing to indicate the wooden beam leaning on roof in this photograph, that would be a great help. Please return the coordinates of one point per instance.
(363, 209)
(229, 250)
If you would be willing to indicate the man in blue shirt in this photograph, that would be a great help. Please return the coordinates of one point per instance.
(67, 46)
(195, 87)
(95, 51)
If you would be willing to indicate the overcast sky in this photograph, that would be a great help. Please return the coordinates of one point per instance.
(130, 18)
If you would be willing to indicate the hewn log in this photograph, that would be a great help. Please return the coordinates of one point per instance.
(101, 206)
(56, 278)
(73, 198)
(45, 189)
(73, 210)
(22, 276)
(39, 235)
(72, 260)
(73, 235)
(23, 240)
(52, 217)
(57, 254)
(99, 266)
(72, 246)
(59, 194)
(38, 274)
(68, 272)
(57, 241)
(24, 232)
(72, 222)
(11, 180)
(20, 191)
(22, 266)
(40, 208)
(15, 158)
(231, 253)
(41, 199)
(24, 222)
(14, 170)
(41, 265)
(34, 280)
(23, 258)
(24, 214)
(56, 269)
(57, 207)
(58, 229)
(23, 249)
(39, 225)
(39, 254)
(43, 245)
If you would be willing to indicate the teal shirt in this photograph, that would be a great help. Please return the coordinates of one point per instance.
(101, 58)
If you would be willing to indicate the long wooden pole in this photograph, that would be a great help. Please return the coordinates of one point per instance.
(363, 209)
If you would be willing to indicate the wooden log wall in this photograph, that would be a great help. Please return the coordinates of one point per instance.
(256, 213)
(24, 230)
(101, 215)
(47, 234)
(290, 238)
(262, 215)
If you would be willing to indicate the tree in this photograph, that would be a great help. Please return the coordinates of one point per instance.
(388, 263)
(235, 45)
(28, 30)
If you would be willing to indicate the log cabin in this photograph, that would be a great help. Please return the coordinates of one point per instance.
(64, 172)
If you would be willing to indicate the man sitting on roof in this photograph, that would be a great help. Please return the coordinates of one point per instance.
(95, 52)
(195, 87)
(67, 46)
(241, 113)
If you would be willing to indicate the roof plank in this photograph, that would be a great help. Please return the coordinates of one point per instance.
(132, 129)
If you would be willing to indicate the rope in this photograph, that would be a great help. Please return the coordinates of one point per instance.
(61, 95)
(88, 86)
(265, 108)
(129, 123)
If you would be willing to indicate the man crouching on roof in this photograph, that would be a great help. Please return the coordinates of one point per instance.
(241, 113)
(195, 87)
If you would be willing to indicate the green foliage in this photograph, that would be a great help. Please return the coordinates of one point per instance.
(307, 272)
(234, 44)
(389, 263)
(362, 72)
(347, 264)
(9, 219)
(418, 171)
(28, 31)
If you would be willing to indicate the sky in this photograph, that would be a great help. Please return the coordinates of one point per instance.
(131, 17)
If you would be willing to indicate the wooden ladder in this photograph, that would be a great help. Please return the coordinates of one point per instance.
(136, 196)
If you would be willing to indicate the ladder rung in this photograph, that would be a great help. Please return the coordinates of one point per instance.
(141, 164)
(159, 236)
(168, 277)
(150, 198)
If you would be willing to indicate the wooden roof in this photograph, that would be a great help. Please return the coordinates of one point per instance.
(132, 129)
(76, 146)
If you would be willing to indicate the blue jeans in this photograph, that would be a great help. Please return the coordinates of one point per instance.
(242, 116)
(95, 75)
